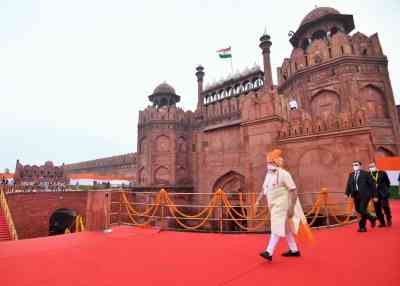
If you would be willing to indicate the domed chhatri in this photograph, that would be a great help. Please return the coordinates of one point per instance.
(317, 24)
(317, 13)
(164, 88)
(164, 95)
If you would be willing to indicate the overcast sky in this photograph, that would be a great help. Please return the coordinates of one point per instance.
(74, 74)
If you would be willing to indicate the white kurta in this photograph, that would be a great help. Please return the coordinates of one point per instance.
(276, 187)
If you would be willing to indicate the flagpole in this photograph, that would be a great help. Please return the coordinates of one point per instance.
(231, 62)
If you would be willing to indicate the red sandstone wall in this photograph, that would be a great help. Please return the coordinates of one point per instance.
(31, 211)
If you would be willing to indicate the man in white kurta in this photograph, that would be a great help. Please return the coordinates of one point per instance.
(284, 206)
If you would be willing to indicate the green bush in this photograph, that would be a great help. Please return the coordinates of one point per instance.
(394, 192)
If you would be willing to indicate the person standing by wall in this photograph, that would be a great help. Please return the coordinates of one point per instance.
(382, 182)
(361, 188)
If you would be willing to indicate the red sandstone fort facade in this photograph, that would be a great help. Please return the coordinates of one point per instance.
(333, 103)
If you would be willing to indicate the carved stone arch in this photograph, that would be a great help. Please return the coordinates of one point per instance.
(181, 144)
(231, 91)
(360, 43)
(248, 86)
(384, 152)
(142, 176)
(318, 49)
(214, 96)
(340, 45)
(240, 89)
(163, 143)
(225, 106)
(161, 175)
(142, 145)
(182, 176)
(230, 182)
(374, 101)
(325, 102)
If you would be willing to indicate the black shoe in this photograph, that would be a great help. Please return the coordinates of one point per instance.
(389, 222)
(290, 253)
(373, 221)
(382, 225)
(266, 255)
(362, 229)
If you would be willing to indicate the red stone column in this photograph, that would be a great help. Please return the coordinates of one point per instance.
(98, 210)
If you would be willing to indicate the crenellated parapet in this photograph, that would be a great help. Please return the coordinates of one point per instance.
(34, 174)
(300, 124)
(359, 51)
(174, 116)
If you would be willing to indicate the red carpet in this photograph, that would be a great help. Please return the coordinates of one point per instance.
(132, 256)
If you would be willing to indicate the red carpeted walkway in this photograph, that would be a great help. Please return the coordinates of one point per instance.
(133, 256)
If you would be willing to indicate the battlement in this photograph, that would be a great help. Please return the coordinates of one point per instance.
(165, 114)
(299, 125)
(322, 50)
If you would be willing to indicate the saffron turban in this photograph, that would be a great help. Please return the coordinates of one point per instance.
(275, 157)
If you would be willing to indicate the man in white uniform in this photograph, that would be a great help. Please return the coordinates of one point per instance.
(287, 215)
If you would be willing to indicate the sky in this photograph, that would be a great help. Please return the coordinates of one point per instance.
(74, 74)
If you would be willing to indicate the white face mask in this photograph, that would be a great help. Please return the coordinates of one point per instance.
(356, 168)
(271, 167)
(372, 169)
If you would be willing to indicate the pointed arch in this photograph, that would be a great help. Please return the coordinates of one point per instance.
(161, 175)
(374, 101)
(384, 152)
(325, 102)
(230, 182)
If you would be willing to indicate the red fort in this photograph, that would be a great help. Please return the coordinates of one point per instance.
(333, 103)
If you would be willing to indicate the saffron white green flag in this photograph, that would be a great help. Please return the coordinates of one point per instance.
(225, 53)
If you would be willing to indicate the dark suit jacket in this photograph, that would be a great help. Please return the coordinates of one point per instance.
(366, 186)
(383, 185)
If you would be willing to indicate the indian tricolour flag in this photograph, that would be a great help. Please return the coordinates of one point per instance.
(225, 53)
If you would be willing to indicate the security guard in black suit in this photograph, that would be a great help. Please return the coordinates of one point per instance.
(361, 188)
(382, 183)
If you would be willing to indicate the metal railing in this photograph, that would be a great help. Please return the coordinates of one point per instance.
(7, 214)
(219, 211)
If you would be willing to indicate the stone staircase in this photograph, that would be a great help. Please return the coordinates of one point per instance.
(4, 232)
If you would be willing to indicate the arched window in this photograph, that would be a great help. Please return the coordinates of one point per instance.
(239, 89)
(305, 43)
(257, 83)
(248, 86)
(325, 103)
(320, 34)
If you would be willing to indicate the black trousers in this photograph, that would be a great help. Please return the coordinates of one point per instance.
(383, 204)
(361, 206)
